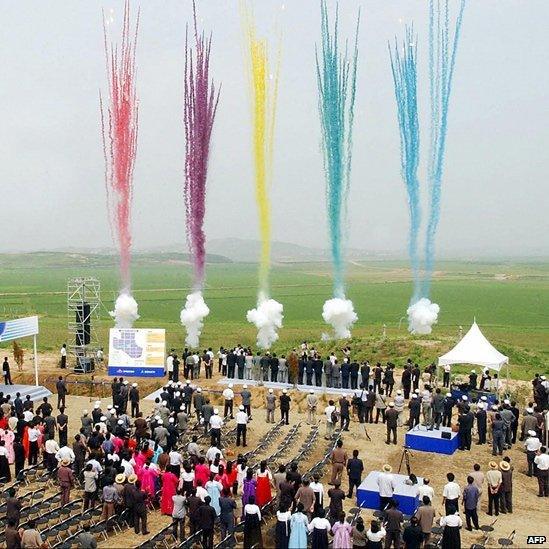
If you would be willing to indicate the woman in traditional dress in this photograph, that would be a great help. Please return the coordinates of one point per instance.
(375, 535)
(241, 470)
(248, 488)
(214, 487)
(169, 489)
(148, 475)
(342, 533)
(264, 480)
(186, 481)
(319, 528)
(201, 472)
(452, 523)
(252, 524)
(231, 475)
(298, 529)
(359, 534)
(282, 529)
(318, 490)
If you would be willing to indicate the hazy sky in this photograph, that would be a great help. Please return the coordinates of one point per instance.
(495, 188)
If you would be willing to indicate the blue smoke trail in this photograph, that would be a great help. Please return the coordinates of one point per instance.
(336, 79)
(442, 59)
(404, 68)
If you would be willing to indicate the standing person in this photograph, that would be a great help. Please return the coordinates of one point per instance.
(451, 494)
(437, 405)
(13, 507)
(169, 365)
(63, 354)
(391, 418)
(399, 407)
(227, 506)
(331, 419)
(532, 445)
(215, 428)
(264, 481)
(246, 396)
(446, 375)
(318, 490)
(375, 535)
(541, 462)
(134, 400)
(471, 496)
(425, 516)
(339, 462)
(312, 401)
(298, 528)
(452, 523)
(412, 535)
(415, 409)
(282, 528)
(178, 514)
(506, 496)
(285, 407)
(319, 528)
(337, 497)
(252, 525)
(344, 413)
(342, 533)
(449, 404)
(241, 426)
(228, 395)
(62, 392)
(170, 482)
(65, 478)
(393, 525)
(90, 486)
(33, 434)
(31, 537)
(62, 427)
(386, 486)
(140, 509)
(355, 467)
(493, 480)
(482, 419)
(270, 405)
(466, 421)
(206, 517)
(13, 539)
(110, 498)
(306, 496)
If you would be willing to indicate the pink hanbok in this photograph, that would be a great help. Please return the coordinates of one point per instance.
(169, 487)
(8, 437)
(148, 479)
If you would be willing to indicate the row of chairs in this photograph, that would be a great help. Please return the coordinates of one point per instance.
(266, 440)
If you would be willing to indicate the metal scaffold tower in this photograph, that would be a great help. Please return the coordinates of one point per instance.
(83, 303)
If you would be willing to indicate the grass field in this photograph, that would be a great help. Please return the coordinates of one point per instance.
(509, 300)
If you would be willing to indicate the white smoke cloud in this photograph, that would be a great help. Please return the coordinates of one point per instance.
(125, 311)
(267, 317)
(192, 317)
(340, 314)
(422, 315)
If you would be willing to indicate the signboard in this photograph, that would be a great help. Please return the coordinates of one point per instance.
(21, 327)
(136, 352)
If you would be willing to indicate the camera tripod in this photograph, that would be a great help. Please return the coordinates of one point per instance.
(405, 458)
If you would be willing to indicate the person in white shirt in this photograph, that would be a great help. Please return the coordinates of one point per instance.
(169, 366)
(319, 528)
(542, 464)
(34, 435)
(328, 411)
(425, 490)
(451, 494)
(452, 524)
(128, 467)
(212, 452)
(318, 490)
(50, 449)
(96, 466)
(176, 460)
(399, 407)
(63, 354)
(228, 395)
(252, 524)
(241, 426)
(201, 492)
(446, 376)
(532, 444)
(27, 416)
(215, 428)
(65, 453)
(386, 486)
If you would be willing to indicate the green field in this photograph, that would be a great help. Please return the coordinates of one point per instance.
(509, 300)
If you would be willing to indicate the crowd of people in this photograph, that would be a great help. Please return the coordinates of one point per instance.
(123, 459)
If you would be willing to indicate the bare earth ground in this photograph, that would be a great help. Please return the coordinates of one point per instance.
(530, 512)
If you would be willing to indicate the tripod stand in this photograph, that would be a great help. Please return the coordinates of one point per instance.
(405, 458)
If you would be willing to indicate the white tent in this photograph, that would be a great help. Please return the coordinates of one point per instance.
(474, 348)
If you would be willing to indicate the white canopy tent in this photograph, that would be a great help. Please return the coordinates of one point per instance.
(474, 348)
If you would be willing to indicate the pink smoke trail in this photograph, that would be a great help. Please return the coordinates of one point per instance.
(201, 101)
(119, 123)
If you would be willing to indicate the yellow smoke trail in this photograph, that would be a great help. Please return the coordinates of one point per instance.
(264, 90)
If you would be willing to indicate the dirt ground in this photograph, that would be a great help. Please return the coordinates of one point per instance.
(529, 516)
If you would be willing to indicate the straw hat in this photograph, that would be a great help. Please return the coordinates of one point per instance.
(493, 465)
(504, 466)
(65, 462)
(387, 468)
(120, 478)
(132, 479)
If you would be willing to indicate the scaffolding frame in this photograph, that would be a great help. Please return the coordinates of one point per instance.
(83, 291)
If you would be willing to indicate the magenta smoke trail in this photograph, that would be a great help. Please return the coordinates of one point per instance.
(119, 122)
(201, 102)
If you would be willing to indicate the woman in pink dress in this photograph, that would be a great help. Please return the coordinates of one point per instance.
(149, 474)
(169, 488)
(342, 533)
(201, 472)
(8, 437)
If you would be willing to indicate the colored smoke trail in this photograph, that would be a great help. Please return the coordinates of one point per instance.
(336, 81)
(200, 106)
(268, 314)
(119, 121)
(264, 90)
(442, 60)
(404, 69)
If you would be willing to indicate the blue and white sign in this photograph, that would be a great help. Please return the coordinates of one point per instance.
(136, 352)
(21, 327)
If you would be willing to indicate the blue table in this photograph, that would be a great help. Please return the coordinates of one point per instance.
(431, 441)
(406, 495)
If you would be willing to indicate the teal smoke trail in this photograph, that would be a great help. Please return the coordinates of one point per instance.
(336, 80)
(404, 69)
(442, 60)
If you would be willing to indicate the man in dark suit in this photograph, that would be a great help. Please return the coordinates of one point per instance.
(345, 373)
(353, 368)
(62, 391)
(355, 467)
(465, 421)
(274, 362)
(139, 509)
(285, 407)
(318, 364)
(309, 369)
